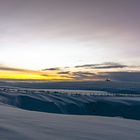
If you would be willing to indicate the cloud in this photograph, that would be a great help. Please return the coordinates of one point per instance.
(88, 72)
(64, 72)
(44, 75)
(53, 69)
(107, 65)
(123, 76)
(86, 76)
(5, 68)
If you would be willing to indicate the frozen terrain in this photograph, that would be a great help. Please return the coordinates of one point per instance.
(17, 124)
(33, 113)
(76, 102)
(113, 86)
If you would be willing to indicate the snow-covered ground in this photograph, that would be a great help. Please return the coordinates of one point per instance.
(32, 114)
(113, 86)
(17, 124)
(73, 102)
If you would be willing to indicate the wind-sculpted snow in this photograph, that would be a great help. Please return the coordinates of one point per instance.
(113, 86)
(23, 115)
(64, 102)
(17, 124)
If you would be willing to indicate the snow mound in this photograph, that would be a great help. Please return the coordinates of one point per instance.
(78, 104)
(17, 124)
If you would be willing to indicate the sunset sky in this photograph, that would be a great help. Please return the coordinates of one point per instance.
(70, 39)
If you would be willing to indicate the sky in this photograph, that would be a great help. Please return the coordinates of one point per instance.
(38, 36)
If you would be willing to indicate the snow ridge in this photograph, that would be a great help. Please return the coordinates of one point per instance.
(65, 103)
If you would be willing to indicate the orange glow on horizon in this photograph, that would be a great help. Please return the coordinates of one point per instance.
(31, 76)
(61, 74)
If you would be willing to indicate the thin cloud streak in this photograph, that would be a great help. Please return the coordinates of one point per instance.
(107, 65)
(5, 68)
(51, 69)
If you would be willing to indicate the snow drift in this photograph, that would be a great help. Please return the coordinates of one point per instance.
(17, 124)
(26, 113)
(65, 103)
